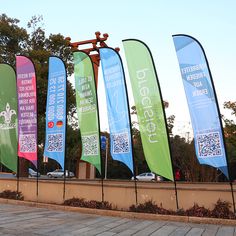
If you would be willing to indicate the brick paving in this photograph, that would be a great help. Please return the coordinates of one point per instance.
(26, 221)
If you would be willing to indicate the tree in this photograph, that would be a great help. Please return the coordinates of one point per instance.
(184, 159)
(182, 152)
(13, 39)
(35, 44)
(230, 137)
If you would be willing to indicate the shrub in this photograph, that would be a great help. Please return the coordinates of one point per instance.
(81, 202)
(222, 210)
(150, 207)
(198, 211)
(11, 195)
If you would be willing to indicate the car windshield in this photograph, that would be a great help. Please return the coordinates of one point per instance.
(142, 174)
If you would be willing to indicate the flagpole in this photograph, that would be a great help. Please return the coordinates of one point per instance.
(106, 158)
(99, 130)
(36, 96)
(220, 121)
(131, 131)
(159, 88)
(65, 148)
(221, 125)
(17, 175)
(95, 59)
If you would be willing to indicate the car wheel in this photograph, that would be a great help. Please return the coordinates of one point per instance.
(50, 176)
(153, 180)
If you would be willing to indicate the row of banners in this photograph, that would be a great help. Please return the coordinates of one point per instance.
(18, 108)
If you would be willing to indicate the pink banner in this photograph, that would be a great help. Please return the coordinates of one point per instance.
(27, 109)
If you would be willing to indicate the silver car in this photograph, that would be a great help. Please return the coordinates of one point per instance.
(149, 176)
(59, 173)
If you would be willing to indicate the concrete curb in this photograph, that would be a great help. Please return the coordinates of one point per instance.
(124, 214)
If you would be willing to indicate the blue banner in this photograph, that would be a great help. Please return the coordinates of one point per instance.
(56, 111)
(202, 103)
(117, 106)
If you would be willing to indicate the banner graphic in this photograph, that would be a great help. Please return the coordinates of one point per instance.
(56, 111)
(27, 109)
(149, 106)
(87, 109)
(117, 106)
(8, 117)
(202, 102)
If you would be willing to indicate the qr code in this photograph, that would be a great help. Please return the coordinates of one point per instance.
(209, 144)
(120, 143)
(55, 142)
(90, 145)
(27, 143)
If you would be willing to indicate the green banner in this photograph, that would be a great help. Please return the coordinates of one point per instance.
(86, 100)
(8, 117)
(149, 107)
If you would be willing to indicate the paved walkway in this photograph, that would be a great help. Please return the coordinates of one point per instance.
(26, 221)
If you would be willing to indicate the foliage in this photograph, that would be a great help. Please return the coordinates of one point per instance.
(230, 137)
(198, 211)
(13, 39)
(184, 159)
(11, 195)
(150, 207)
(221, 210)
(81, 202)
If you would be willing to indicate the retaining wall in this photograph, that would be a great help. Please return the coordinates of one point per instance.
(121, 193)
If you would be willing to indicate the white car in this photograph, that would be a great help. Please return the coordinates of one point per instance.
(149, 176)
(59, 173)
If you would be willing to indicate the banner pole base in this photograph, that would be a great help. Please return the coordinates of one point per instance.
(176, 196)
(232, 192)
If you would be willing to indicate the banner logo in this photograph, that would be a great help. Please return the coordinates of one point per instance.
(7, 115)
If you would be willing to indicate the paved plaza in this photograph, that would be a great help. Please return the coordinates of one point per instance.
(25, 221)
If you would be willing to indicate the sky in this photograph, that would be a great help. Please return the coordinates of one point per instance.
(212, 23)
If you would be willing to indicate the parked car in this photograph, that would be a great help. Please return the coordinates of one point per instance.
(33, 173)
(59, 173)
(149, 176)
